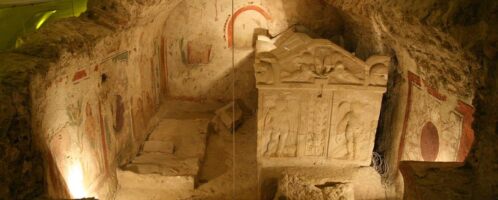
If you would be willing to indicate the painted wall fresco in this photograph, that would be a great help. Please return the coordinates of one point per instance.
(92, 117)
(435, 128)
(203, 37)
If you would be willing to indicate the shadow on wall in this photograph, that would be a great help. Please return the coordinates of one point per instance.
(322, 19)
(200, 37)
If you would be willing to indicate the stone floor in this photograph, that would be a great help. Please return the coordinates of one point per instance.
(169, 161)
(184, 158)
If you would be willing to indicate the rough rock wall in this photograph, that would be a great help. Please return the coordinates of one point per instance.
(474, 24)
(21, 166)
(451, 45)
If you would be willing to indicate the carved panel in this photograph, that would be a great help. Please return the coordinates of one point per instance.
(314, 124)
(279, 120)
(353, 125)
(297, 58)
(315, 121)
(318, 104)
(294, 123)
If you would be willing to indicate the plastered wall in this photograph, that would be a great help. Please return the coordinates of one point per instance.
(91, 112)
(203, 35)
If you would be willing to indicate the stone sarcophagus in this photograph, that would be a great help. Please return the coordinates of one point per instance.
(318, 103)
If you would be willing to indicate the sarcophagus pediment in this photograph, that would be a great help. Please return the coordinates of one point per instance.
(318, 103)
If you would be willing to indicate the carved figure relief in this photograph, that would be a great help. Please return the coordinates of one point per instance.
(279, 130)
(301, 59)
(341, 74)
(306, 113)
(324, 63)
(353, 131)
(303, 70)
(346, 130)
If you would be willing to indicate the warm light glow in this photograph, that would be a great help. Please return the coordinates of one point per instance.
(75, 181)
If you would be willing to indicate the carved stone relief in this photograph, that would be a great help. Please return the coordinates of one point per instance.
(317, 102)
(263, 69)
(279, 125)
(353, 126)
(315, 123)
(300, 59)
(378, 71)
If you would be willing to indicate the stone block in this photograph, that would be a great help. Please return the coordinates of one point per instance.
(159, 147)
(318, 104)
(227, 117)
(298, 187)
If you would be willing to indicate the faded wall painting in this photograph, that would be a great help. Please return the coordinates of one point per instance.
(318, 104)
(86, 118)
(200, 45)
(434, 129)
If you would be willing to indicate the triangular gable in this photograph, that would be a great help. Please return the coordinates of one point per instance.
(297, 58)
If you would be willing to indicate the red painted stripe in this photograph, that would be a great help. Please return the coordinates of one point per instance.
(467, 138)
(434, 92)
(79, 75)
(412, 79)
(236, 14)
(466, 110)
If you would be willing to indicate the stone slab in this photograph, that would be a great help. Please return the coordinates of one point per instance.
(153, 186)
(159, 147)
(188, 135)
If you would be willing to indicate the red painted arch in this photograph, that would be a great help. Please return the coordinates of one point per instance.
(231, 21)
